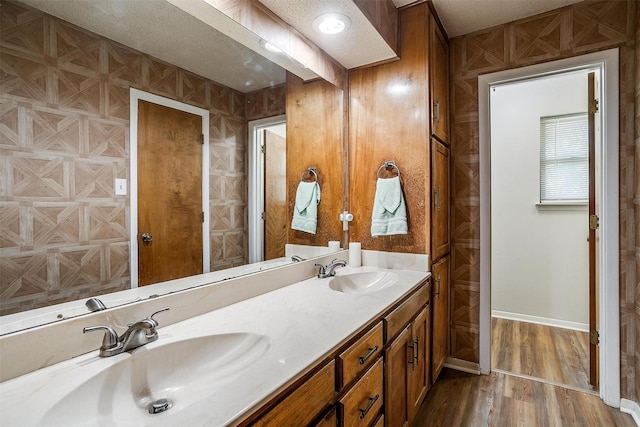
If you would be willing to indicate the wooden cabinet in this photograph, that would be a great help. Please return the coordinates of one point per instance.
(360, 355)
(440, 197)
(379, 377)
(306, 402)
(418, 383)
(441, 315)
(407, 361)
(395, 380)
(361, 405)
(439, 79)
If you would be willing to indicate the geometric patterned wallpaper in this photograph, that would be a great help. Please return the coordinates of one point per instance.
(573, 30)
(64, 138)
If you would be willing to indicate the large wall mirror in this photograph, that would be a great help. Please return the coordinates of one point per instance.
(68, 188)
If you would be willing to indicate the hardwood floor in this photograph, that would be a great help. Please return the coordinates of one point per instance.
(555, 355)
(462, 399)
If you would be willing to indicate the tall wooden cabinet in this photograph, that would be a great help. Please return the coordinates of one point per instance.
(440, 178)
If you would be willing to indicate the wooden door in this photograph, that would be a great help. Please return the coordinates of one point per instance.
(439, 75)
(440, 303)
(170, 211)
(440, 197)
(275, 195)
(418, 377)
(593, 235)
(396, 380)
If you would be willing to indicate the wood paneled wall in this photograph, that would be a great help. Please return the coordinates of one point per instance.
(314, 139)
(574, 30)
(389, 121)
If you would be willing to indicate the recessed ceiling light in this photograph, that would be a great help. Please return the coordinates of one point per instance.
(270, 47)
(331, 23)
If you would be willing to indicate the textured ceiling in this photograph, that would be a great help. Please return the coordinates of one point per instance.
(160, 29)
(360, 45)
(466, 16)
(168, 30)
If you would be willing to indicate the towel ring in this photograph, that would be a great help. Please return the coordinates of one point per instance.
(310, 171)
(388, 165)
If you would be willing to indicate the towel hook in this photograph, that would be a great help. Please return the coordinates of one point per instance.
(388, 165)
(310, 171)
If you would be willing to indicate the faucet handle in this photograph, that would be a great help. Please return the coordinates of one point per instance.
(110, 340)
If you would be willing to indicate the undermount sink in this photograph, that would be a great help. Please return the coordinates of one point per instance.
(182, 372)
(363, 282)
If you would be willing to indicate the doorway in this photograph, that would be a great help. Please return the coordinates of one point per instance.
(267, 188)
(169, 189)
(608, 270)
(539, 222)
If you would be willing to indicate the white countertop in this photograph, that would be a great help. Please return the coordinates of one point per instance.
(304, 321)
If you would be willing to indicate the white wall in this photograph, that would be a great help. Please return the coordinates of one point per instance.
(539, 257)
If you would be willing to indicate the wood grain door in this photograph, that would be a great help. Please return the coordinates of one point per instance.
(440, 304)
(275, 195)
(593, 235)
(440, 204)
(170, 213)
(418, 377)
(396, 380)
(439, 75)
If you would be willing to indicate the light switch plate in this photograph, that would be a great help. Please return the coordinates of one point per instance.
(121, 187)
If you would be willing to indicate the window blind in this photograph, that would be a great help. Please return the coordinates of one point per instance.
(564, 158)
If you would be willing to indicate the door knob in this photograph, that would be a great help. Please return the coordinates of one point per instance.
(147, 237)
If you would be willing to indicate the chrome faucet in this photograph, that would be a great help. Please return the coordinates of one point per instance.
(297, 258)
(94, 304)
(330, 269)
(138, 334)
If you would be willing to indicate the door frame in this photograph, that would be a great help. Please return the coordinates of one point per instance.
(256, 184)
(609, 272)
(136, 95)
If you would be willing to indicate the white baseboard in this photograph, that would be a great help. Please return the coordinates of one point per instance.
(630, 407)
(462, 365)
(565, 324)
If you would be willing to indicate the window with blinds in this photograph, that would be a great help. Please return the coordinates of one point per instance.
(564, 158)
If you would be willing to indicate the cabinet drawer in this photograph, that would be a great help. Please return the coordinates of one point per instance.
(306, 402)
(380, 422)
(361, 354)
(328, 420)
(401, 316)
(361, 405)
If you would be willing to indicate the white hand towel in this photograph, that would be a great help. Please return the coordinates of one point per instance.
(389, 214)
(305, 212)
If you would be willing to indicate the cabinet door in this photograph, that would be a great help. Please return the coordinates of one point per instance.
(440, 303)
(439, 75)
(395, 380)
(440, 200)
(418, 370)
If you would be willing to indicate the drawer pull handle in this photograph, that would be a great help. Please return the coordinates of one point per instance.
(416, 349)
(372, 401)
(368, 355)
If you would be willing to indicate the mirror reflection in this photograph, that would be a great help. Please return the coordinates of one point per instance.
(72, 198)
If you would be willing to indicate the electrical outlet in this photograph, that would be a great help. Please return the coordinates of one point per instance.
(121, 187)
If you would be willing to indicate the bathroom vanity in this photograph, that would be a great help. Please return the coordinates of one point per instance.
(353, 348)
